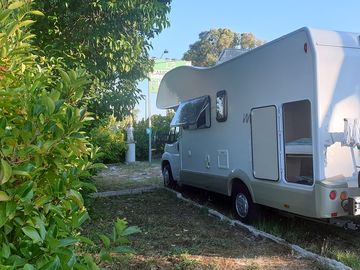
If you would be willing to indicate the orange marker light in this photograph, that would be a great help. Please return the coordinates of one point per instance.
(343, 196)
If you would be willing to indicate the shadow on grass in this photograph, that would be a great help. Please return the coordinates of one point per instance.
(176, 235)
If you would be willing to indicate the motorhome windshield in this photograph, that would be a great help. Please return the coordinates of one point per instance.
(189, 111)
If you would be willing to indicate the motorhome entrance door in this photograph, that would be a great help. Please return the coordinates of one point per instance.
(264, 143)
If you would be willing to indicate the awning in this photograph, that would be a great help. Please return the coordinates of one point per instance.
(180, 84)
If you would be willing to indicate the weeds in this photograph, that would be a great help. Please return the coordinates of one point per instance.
(349, 258)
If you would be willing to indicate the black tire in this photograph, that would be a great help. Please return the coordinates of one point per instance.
(167, 176)
(244, 208)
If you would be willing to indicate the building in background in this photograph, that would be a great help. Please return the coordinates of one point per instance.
(150, 88)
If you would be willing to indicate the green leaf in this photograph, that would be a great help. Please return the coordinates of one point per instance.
(105, 240)
(120, 226)
(55, 95)
(53, 264)
(104, 255)
(32, 233)
(16, 5)
(29, 267)
(16, 260)
(90, 263)
(10, 209)
(65, 77)
(21, 173)
(86, 240)
(25, 23)
(131, 230)
(49, 104)
(39, 223)
(4, 197)
(84, 216)
(5, 251)
(4, 14)
(67, 242)
(3, 217)
(76, 197)
(6, 172)
(36, 12)
(25, 191)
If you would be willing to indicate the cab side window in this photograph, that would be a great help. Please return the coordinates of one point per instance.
(173, 135)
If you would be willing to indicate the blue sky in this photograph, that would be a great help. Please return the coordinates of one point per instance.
(266, 19)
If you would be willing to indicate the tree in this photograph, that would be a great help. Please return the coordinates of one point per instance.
(109, 38)
(207, 49)
(44, 155)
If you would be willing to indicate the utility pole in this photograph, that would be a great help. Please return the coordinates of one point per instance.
(149, 130)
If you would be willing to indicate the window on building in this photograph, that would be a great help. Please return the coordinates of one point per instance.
(221, 106)
(298, 142)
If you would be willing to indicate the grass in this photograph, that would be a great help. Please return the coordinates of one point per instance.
(329, 241)
(323, 239)
(349, 258)
(176, 235)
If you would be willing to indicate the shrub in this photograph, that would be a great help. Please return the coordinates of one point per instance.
(43, 153)
(161, 127)
(110, 140)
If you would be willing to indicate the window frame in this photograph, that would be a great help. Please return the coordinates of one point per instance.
(283, 105)
(206, 109)
(223, 94)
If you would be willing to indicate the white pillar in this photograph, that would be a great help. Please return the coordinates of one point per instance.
(130, 154)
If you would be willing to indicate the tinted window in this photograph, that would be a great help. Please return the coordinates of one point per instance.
(192, 114)
(221, 106)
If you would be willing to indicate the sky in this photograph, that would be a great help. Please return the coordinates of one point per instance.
(267, 20)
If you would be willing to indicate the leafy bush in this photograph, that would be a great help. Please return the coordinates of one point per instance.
(110, 139)
(161, 127)
(43, 152)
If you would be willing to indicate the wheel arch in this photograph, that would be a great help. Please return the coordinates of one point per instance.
(240, 178)
(165, 162)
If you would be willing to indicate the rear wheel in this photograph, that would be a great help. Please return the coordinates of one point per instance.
(244, 208)
(167, 176)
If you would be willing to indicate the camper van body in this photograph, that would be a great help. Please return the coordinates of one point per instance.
(272, 119)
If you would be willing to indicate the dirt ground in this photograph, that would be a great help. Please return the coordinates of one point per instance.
(121, 176)
(177, 235)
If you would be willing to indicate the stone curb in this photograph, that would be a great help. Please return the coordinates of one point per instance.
(123, 192)
(300, 251)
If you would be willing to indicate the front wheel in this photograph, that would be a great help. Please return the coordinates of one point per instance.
(167, 176)
(244, 208)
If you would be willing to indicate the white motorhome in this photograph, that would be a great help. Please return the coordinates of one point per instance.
(276, 126)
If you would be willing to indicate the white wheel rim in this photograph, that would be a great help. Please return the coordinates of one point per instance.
(241, 205)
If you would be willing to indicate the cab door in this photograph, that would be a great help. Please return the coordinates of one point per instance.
(172, 147)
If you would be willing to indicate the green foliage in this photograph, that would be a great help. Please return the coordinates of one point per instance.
(110, 39)
(118, 241)
(206, 51)
(142, 140)
(161, 127)
(43, 152)
(109, 137)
